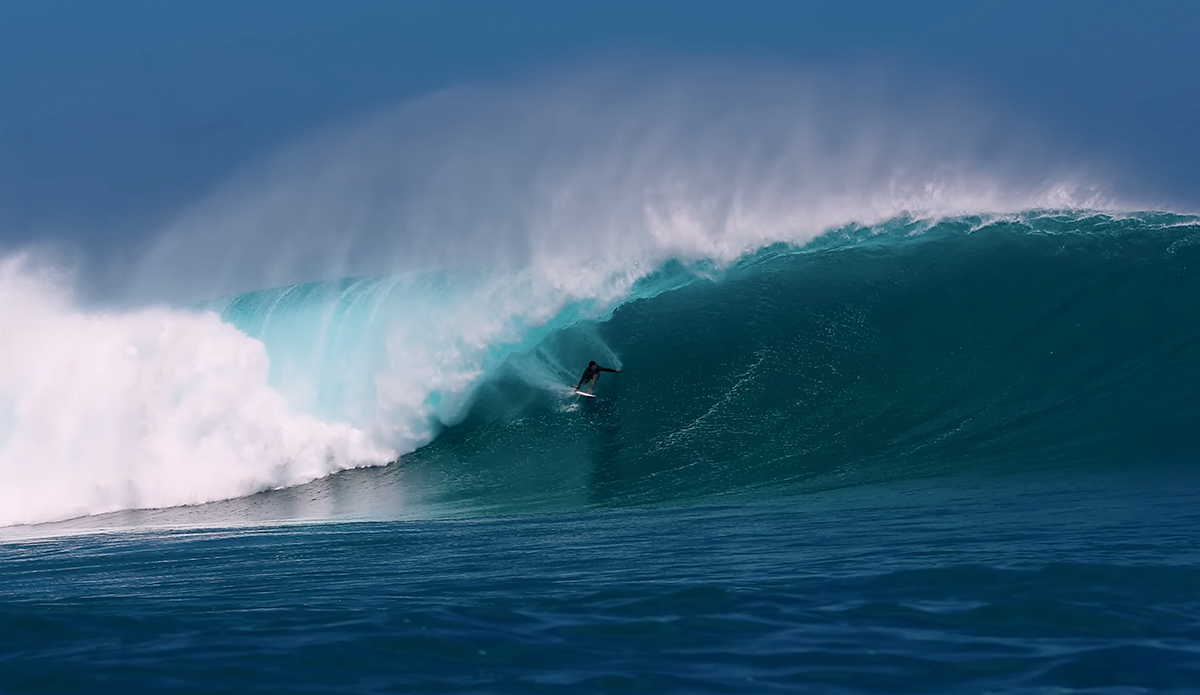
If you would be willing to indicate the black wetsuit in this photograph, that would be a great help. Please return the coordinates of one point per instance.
(592, 373)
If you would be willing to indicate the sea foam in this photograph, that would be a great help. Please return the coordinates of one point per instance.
(102, 411)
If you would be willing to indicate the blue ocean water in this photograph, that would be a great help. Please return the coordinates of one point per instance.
(953, 455)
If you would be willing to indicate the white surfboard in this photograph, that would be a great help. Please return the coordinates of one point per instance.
(585, 393)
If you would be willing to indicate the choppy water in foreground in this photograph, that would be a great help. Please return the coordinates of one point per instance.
(1040, 584)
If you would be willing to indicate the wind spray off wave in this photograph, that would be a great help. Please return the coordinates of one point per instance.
(594, 173)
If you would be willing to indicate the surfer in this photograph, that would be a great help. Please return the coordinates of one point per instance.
(591, 374)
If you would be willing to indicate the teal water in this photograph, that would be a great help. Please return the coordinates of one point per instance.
(931, 457)
(1019, 346)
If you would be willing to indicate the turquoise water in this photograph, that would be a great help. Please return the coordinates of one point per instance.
(933, 456)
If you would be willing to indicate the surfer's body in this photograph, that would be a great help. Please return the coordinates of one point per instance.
(591, 374)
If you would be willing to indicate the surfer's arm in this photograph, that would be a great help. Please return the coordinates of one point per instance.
(606, 369)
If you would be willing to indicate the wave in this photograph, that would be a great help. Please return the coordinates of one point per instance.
(911, 348)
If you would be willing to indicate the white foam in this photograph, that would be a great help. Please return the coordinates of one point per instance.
(152, 408)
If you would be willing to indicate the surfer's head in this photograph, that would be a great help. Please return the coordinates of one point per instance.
(592, 363)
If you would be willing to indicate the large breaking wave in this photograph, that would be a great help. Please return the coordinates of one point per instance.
(916, 348)
(912, 348)
(770, 254)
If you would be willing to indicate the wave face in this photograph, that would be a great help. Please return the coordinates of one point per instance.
(912, 348)
(907, 350)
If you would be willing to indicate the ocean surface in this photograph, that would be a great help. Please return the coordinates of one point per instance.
(933, 455)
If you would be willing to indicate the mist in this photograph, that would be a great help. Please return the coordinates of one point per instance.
(604, 167)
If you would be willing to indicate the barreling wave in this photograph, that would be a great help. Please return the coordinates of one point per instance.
(913, 348)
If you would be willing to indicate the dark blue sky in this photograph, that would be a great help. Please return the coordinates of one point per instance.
(113, 115)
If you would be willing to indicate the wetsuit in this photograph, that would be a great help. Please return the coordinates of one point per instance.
(592, 373)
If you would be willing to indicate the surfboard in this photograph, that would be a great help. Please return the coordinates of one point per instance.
(585, 393)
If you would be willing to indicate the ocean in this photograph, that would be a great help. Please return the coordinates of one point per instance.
(951, 454)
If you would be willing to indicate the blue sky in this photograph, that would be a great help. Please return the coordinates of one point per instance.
(116, 114)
